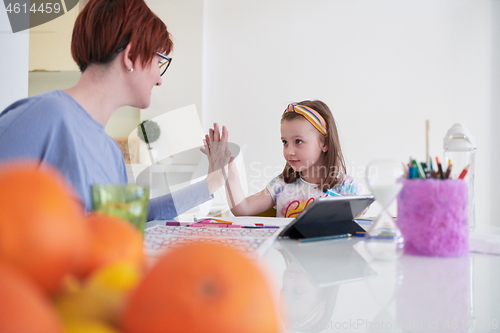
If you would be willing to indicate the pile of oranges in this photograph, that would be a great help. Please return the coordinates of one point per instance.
(62, 270)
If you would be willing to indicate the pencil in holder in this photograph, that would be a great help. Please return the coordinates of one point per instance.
(433, 217)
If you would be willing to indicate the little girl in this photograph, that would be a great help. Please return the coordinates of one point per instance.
(315, 165)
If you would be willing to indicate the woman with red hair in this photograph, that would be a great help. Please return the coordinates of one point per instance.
(121, 48)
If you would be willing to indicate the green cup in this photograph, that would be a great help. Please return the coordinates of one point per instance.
(126, 201)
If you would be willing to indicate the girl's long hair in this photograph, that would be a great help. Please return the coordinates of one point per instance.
(333, 161)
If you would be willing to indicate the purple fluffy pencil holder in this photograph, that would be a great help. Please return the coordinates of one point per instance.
(433, 217)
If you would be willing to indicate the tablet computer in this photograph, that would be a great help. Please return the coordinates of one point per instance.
(328, 216)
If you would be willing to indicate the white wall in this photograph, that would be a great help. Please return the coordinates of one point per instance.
(50, 44)
(495, 111)
(182, 82)
(383, 67)
(13, 62)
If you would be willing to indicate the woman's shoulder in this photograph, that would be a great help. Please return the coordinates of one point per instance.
(41, 111)
(49, 103)
(62, 108)
(53, 96)
(56, 102)
(50, 113)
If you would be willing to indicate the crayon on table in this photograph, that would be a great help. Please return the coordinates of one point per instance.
(214, 225)
(221, 221)
(177, 224)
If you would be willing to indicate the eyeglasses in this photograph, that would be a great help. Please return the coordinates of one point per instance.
(164, 63)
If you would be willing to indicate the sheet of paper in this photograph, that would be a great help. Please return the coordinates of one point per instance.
(484, 243)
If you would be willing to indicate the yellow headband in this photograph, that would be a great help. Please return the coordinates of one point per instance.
(310, 114)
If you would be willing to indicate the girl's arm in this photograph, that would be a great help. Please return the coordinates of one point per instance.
(241, 205)
(219, 173)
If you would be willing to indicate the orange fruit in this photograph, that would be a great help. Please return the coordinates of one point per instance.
(24, 308)
(112, 239)
(42, 231)
(202, 287)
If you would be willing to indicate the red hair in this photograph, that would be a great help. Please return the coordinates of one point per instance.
(106, 27)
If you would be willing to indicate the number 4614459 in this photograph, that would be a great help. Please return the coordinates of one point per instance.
(43, 8)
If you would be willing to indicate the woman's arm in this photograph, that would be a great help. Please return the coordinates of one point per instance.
(171, 205)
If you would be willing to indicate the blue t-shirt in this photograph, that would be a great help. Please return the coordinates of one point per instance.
(54, 129)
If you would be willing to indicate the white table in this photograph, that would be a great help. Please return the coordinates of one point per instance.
(336, 286)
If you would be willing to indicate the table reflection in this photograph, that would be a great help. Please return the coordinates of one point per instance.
(311, 280)
(435, 294)
(328, 286)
